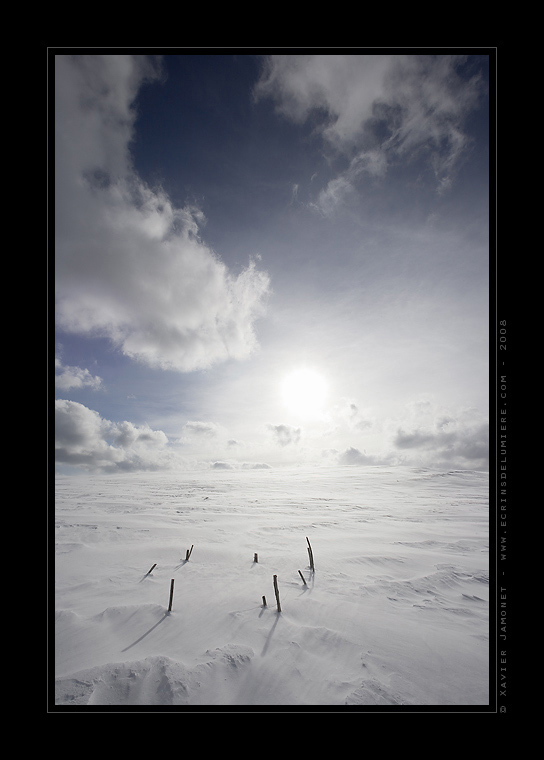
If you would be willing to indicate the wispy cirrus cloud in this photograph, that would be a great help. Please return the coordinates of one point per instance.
(376, 110)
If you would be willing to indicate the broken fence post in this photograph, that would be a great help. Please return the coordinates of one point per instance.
(171, 595)
(188, 553)
(255, 558)
(277, 592)
(310, 554)
(302, 577)
(155, 565)
(264, 601)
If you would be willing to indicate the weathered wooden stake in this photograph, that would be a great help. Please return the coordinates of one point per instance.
(277, 592)
(310, 554)
(155, 565)
(171, 595)
(188, 553)
(302, 577)
(264, 601)
(255, 558)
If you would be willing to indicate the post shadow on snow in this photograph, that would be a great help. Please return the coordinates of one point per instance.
(308, 582)
(149, 574)
(166, 614)
(269, 637)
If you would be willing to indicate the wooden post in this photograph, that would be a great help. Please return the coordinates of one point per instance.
(310, 554)
(188, 553)
(155, 565)
(171, 595)
(302, 577)
(277, 592)
(255, 558)
(264, 601)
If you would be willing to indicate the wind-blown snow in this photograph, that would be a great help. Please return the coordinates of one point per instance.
(395, 614)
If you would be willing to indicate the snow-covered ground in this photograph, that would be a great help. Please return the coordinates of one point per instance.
(395, 613)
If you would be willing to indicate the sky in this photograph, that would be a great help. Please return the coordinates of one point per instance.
(271, 260)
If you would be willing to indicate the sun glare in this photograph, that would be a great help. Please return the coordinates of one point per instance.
(303, 392)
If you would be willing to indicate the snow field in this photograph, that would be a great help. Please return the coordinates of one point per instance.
(395, 614)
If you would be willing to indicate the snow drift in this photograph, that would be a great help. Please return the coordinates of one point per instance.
(395, 613)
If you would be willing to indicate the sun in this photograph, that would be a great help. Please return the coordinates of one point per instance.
(303, 392)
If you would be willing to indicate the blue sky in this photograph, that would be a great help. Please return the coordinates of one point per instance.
(224, 222)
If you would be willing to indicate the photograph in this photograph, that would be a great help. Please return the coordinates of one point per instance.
(272, 362)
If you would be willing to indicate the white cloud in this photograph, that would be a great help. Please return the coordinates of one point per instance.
(69, 378)
(344, 87)
(376, 109)
(352, 456)
(437, 436)
(207, 429)
(422, 434)
(454, 445)
(129, 265)
(285, 434)
(84, 439)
